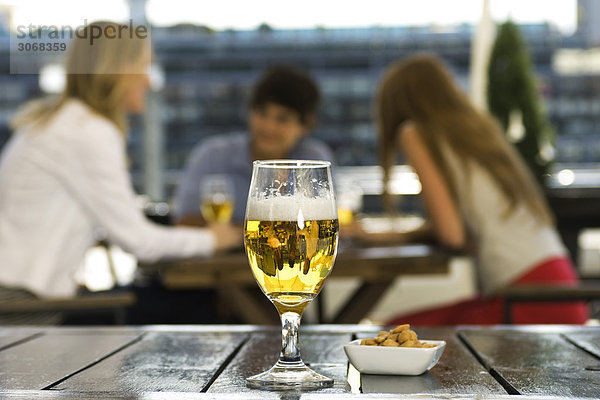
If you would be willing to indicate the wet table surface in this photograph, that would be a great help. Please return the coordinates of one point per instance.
(212, 362)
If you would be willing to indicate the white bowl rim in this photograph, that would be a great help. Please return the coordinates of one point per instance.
(437, 343)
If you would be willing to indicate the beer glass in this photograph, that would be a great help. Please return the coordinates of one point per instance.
(349, 200)
(216, 198)
(291, 237)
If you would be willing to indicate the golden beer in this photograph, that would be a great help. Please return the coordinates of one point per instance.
(291, 259)
(345, 216)
(217, 211)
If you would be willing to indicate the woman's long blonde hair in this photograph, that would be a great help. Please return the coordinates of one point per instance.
(96, 74)
(421, 90)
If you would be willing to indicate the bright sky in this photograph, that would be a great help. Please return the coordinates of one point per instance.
(248, 14)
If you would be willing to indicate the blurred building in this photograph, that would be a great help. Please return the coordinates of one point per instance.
(588, 21)
(209, 74)
(574, 104)
(14, 90)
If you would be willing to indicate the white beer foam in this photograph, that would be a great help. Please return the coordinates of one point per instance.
(290, 208)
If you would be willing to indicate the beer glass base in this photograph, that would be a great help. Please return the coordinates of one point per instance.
(289, 376)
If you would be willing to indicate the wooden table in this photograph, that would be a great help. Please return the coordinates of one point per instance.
(377, 267)
(212, 362)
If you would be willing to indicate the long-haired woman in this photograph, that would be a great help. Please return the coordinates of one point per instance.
(476, 191)
(63, 174)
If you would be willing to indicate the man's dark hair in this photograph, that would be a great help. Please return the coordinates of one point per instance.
(289, 87)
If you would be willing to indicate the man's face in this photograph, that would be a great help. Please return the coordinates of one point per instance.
(275, 130)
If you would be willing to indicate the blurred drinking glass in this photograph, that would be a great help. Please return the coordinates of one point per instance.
(216, 198)
(349, 200)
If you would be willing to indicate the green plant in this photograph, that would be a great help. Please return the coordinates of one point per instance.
(513, 98)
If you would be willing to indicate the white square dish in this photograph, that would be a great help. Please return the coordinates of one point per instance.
(394, 360)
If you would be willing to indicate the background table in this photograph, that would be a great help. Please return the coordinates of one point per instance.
(211, 362)
(376, 267)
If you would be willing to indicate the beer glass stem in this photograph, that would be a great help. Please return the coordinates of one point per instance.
(290, 322)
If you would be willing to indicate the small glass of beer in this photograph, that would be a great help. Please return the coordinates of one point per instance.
(349, 200)
(291, 238)
(216, 198)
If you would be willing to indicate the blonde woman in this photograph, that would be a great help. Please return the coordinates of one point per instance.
(476, 191)
(63, 174)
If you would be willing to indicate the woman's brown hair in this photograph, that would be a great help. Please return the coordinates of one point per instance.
(420, 90)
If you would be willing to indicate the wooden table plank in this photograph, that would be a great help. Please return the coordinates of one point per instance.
(59, 394)
(535, 361)
(421, 396)
(44, 360)
(165, 361)
(8, 340)
(588, 340)
(53, 395)
(457, 372)
(322, 351)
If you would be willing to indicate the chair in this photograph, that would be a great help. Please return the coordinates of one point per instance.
(586, 290)
(114, 303)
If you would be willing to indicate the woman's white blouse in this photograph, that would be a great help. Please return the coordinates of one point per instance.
(58, 183)
(508, 245)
